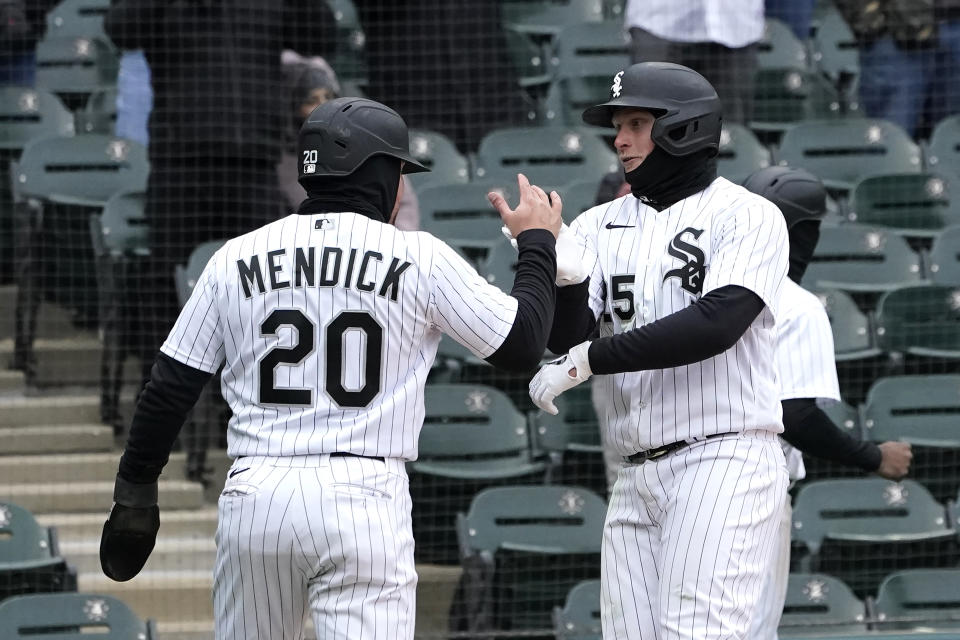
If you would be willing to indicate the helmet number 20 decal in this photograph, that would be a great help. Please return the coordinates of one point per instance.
(310, 161)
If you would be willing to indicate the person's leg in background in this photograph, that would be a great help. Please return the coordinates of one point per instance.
(893, 82)
(730, 71)
(944, 94)
(134, 97)
(646, 47)
(796, 14)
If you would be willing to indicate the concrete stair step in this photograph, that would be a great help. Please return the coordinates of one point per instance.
(12, 381)
(52, 320)
(62, 361)
(61, 438)
(194, 553)
(94, 496)
(173, 523)
(21, 411)
(74, 467)
(165, 596)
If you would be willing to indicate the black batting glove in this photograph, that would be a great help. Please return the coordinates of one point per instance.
(130, 532)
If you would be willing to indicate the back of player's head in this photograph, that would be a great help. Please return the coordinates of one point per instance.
(687, 109)
(341, 134)
(802, 199)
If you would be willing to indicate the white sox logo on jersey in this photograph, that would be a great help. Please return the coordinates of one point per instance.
(691, 273)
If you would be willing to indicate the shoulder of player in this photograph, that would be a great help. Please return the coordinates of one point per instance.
(596, 216)
(726, 197)
(798, 302)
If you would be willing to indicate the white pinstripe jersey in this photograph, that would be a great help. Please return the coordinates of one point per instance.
(327, 325)
(650, 264)
(805, 364)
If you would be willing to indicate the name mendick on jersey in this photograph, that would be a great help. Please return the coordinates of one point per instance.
(332, 271)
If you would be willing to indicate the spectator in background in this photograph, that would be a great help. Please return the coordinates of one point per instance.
(714, 37)
(311, 82)
(796, 14)
(217, 125)
(22, 23)
(444, 65)
(909, 59)
(134, 97)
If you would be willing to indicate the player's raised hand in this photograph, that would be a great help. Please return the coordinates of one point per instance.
(895, 460)
(535, 210)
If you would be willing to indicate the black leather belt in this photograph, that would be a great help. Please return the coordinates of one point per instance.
(652, 454)
(347, 454)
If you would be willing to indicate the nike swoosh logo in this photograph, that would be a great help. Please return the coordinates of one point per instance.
(610, 225)
(236, 471)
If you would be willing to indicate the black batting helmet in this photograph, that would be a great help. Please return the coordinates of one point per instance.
(799, 194)
(686, 106)
(341, 134)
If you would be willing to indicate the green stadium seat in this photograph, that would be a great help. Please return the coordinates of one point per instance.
(438, 153)
(567, 97)
(851, 328)
(473, 437)
(349, 57)
(83, 170)
(943, 150)
(579, 618)
(916, 205)
(943, 261)
(780, 48)
(524, 548)
(529, 59)
(835, 49)
(75, 67)
(741, 153)
(590, 48)
(546, 18)
(923, 410)
(71, 616)
(577, 197)
(859, 530)
(920, 321)
(844, 151)
(77, 18)
(861, 259)
(919, 599)
(186, 276)
(30, 560)
(500, 265)
(783, 98)
(546, 155)
(120, 241)
(28, 114)
(99, 114)
(819, 603)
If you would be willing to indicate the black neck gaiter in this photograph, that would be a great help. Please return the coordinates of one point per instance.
(371, 190)
(662, 179)
(803, 240)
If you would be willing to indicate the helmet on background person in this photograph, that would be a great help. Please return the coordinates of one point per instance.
(686, 106)
(802, 199)
(341, 134)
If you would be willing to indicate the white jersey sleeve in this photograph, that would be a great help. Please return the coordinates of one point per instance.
(804, 355)
(750, 250)
(465, 306)
(196, 339)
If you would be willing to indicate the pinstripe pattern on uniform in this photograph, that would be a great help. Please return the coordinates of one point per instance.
(743, 240)
(689, 538)
(331, 534)
(438, 293)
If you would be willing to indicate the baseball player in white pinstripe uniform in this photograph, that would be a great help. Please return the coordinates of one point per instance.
(691, 269)
(807, 373)
(326, 323)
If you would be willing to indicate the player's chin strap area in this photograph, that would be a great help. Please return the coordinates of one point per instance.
(652, 454)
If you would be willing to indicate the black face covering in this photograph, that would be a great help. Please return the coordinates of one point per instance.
(662, 179)
(371, 190)
(803, 240)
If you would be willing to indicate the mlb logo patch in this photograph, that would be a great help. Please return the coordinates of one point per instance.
(324, 224)
(309, 168)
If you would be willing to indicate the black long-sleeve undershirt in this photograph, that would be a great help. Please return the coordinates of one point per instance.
(535, 291)
(810, 430)
(702, 330)
(171, 392)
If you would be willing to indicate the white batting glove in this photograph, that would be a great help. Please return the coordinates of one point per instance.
(570, 266)
(554, 377)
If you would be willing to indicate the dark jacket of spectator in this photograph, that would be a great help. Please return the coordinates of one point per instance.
(22, 23)
(910, 22)
(215, 64)
(443, 64)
